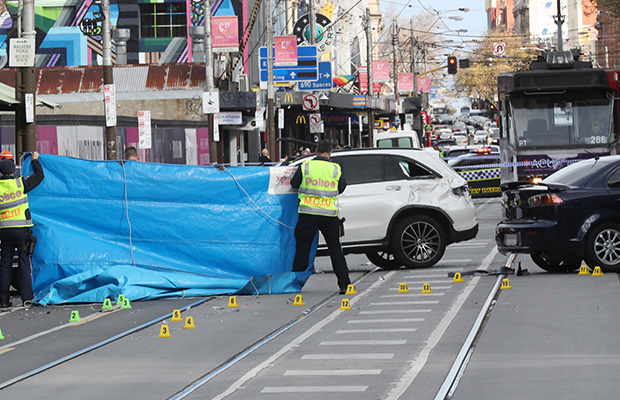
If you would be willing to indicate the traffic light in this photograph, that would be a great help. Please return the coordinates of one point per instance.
(452, 65)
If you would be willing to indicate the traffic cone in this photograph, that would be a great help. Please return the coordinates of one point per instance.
(597, 272)
(299, 301)
(506, 284)
(1, 335)
(189, 323)
(176, 316)
(426, 288)
(75, 316)
(119, 300)
(232, 302)
(351, 289)
(125, 304)
(458, 278)
(584, 270)
(345, 304)
(402, 288)
(107, 305)
(164, 331)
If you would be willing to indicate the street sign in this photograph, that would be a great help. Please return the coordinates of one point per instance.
(109, 97)
(499, 49)
(315, 123)
(144, 129)
(22, 52)
(210, 102)
(305, 70)
(325, 78)
(310, 103)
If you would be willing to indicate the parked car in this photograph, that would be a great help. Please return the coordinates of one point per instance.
(481, 170)
(493, 137)
(402, 206)
(573, 215)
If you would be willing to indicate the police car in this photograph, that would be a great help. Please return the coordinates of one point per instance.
(481, 170)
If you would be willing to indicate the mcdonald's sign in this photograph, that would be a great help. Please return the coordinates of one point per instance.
(289, 98)
(301, 119)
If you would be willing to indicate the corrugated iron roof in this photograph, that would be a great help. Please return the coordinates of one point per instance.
(128, 78)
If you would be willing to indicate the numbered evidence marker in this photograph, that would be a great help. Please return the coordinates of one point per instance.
(164, 331)
(189, 323)
(426, 288)
(125, 304)
(402, 288)
(299, 301)
(176, 316)
(351, 290)
(75, 316)
(345, 305)
(232, 302)
(506, 284)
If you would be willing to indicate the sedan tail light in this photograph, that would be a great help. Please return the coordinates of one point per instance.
(544, 199)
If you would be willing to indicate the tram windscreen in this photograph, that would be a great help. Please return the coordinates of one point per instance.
(548, 121)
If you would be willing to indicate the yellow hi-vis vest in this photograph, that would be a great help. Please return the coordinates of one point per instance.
(13, 204)
(319, 188)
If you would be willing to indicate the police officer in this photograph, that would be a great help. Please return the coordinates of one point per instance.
(319, 182)
(14, 232)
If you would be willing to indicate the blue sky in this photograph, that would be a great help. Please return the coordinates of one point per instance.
(474, 21)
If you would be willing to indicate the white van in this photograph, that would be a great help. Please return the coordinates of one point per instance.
(397, 138)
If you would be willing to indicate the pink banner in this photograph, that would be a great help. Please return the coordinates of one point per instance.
(47, 140)
(225, 34)
(286, 50)
(202, 146)
(424, 84)
(380, 70)
(363, 79)
(405, 82)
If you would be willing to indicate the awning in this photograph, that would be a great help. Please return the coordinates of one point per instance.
(7, 98)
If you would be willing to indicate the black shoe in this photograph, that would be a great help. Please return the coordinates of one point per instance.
(6, 305)
(343, 291)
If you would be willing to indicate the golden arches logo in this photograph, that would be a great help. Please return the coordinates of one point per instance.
(288, 98)
(301, 119)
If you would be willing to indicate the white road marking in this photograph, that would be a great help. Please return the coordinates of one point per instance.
(312, 389)
(404, 303)
(381, 330)
(412, 294)
(384, 320)
(332, 372)
(410, 284)
(395, 311)
(362, 342)
(349, 356)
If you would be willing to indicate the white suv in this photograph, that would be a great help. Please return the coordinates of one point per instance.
(402, 206)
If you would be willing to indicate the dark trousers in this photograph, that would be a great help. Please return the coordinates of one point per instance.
(11, 239)
(305, 231)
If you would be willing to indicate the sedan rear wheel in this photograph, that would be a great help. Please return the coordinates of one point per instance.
(603, 248)
(555, 265)
(418, 242)
(383, 259)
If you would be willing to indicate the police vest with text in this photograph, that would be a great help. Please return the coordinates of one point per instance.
(13, 204)
(319, 188)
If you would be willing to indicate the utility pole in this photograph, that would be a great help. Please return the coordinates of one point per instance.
(395, 62)
(216, 149)
(559, 20)
(28, 142)
(371, 114)
(108, 79)
(413, 60)
(271, 128)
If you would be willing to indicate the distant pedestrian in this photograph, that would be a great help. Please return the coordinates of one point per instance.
(131, 154)
(264, 157)
(319, 182)
(15, 220)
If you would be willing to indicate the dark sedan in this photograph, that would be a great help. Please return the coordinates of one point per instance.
(573, 215)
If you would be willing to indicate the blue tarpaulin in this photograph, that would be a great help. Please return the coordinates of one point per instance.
(150, 231)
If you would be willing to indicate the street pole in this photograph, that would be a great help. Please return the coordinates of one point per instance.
(216, 149)
(395, 63)
(371, 114)
(108, 76)
(559, 20)
(29, 83)
(413, 60)
(271, 129)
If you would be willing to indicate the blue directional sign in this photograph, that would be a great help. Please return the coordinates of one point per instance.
(324, 82)
(305, 70)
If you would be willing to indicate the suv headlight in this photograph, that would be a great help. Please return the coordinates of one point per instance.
(461, 191)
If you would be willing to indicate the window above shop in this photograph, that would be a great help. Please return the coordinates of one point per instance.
(163, 20)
